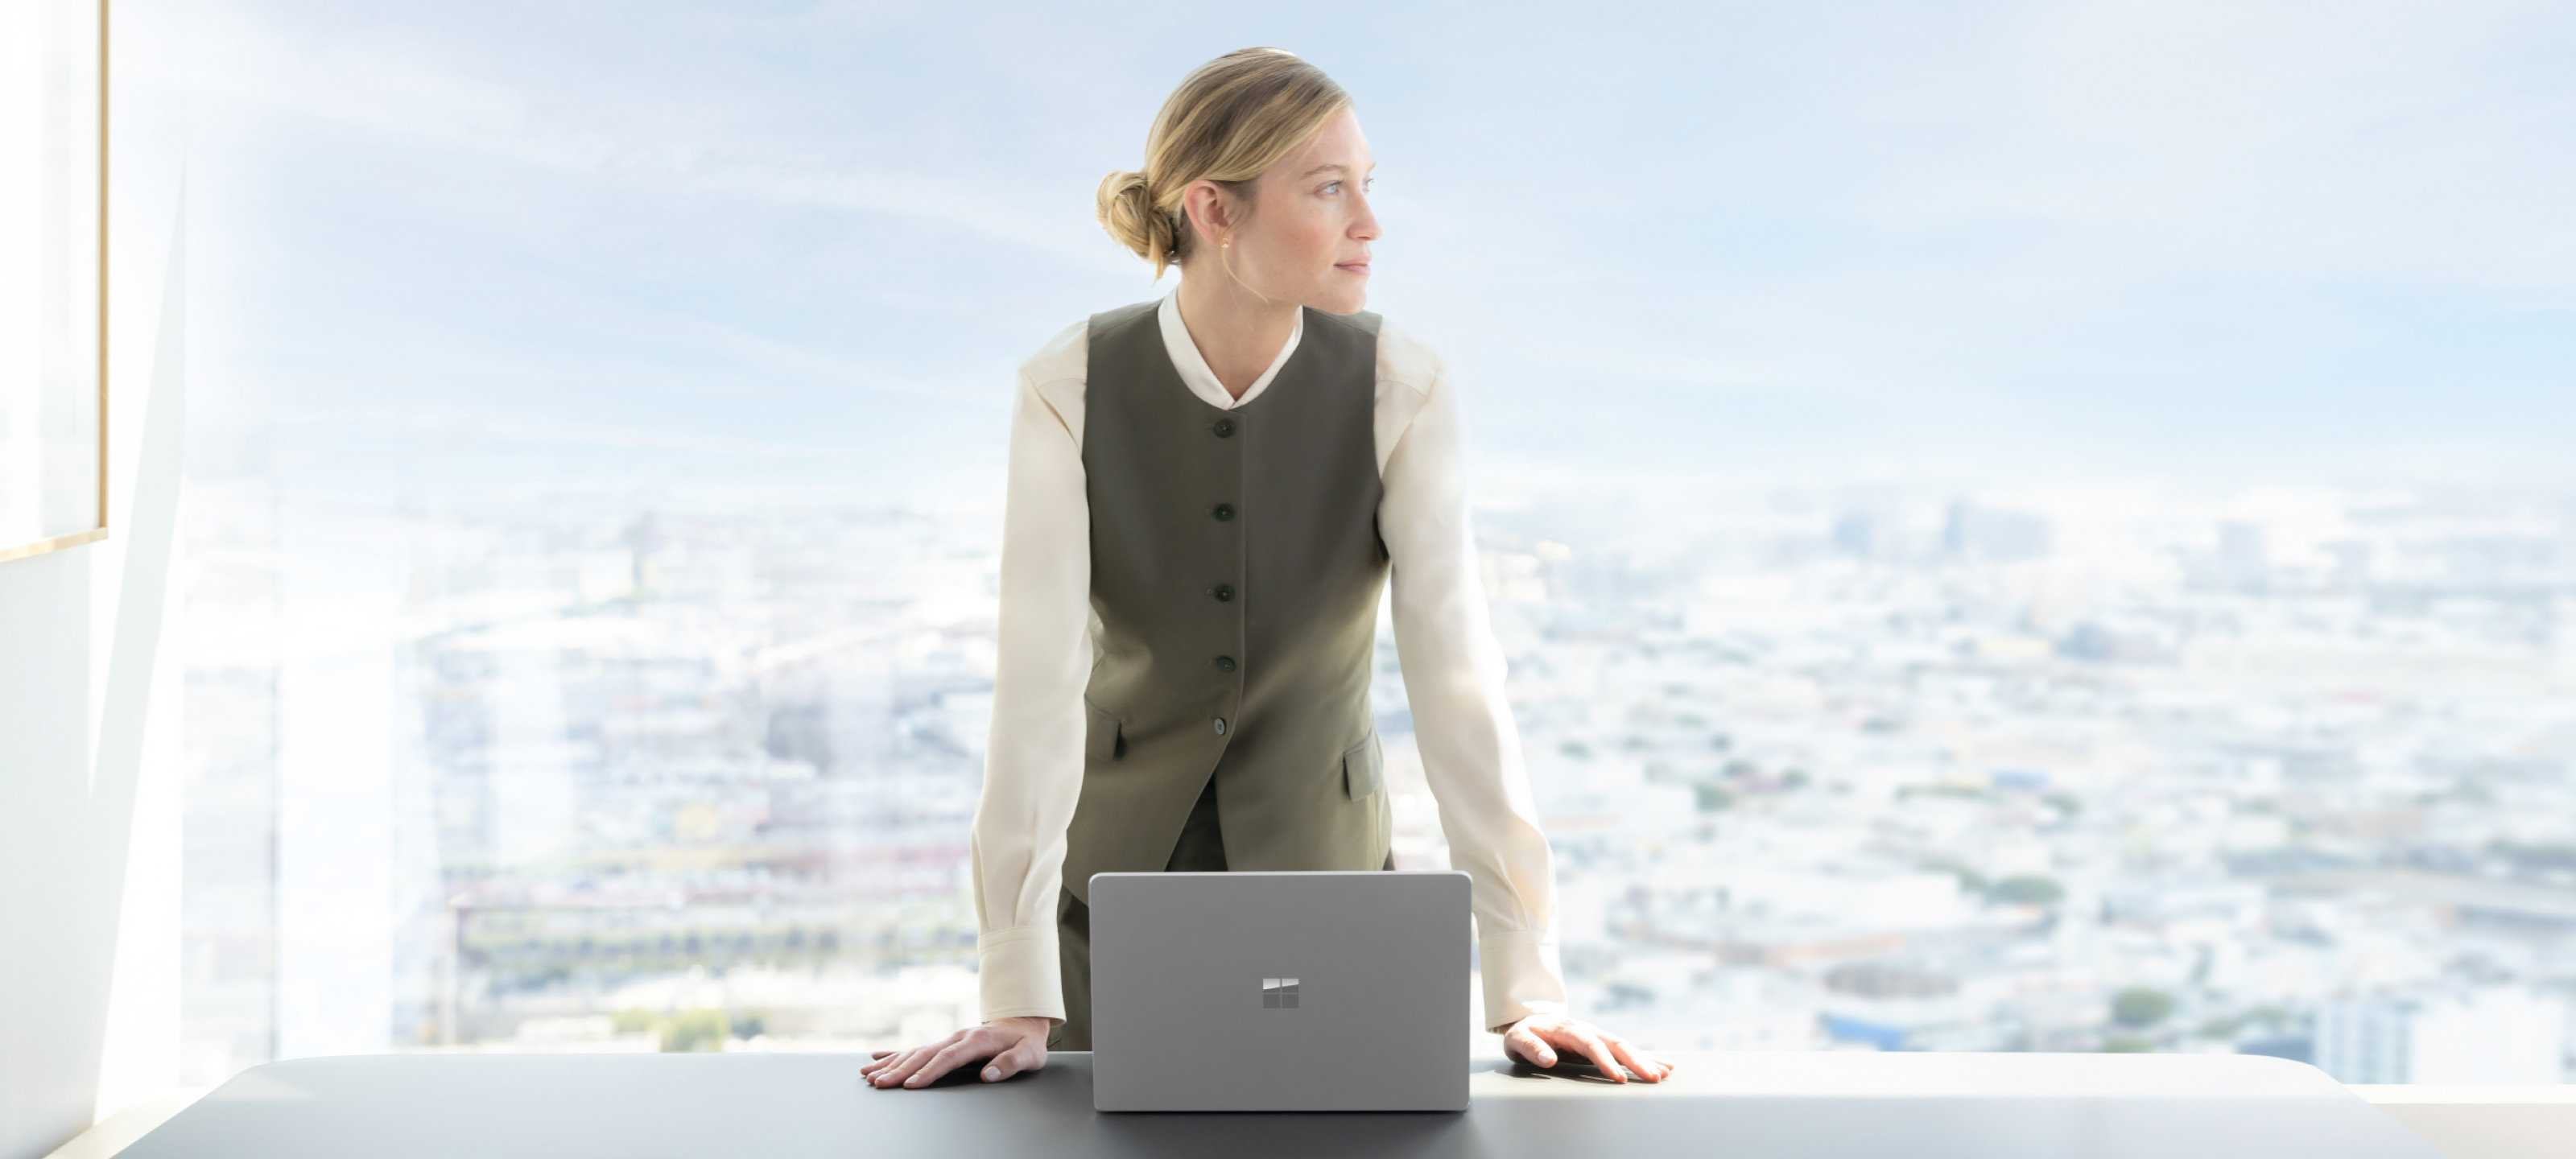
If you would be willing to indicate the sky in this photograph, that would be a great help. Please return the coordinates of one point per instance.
(476, 245)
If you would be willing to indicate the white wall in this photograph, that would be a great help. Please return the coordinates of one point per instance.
(89, 885)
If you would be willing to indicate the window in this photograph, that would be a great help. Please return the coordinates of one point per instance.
(2033, 531)
(53, 242)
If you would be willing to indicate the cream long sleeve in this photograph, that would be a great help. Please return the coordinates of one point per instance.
(1453, 673)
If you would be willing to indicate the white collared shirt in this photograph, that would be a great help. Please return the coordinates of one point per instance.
(1453, 672)
(1194, 368)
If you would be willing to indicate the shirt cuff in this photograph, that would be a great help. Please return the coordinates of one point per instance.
(1019, 973)
(1522, 976)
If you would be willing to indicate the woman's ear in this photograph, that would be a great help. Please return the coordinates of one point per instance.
(1211, 212)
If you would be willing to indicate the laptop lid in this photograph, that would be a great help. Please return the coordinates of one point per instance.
(1279, 991)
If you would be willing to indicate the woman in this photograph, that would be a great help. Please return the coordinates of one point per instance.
(1206, 493)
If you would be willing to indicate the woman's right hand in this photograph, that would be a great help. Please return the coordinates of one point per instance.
(1013, 1045)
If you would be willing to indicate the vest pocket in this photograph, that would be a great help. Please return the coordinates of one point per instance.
(1361, 767)
(1102, 739)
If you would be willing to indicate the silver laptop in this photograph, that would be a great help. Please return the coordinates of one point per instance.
(1279, 991)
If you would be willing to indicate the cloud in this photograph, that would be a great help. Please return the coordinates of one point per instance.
(2268, 234)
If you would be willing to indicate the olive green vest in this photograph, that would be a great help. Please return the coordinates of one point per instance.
(1235, 571)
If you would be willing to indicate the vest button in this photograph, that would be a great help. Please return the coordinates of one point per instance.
(1224, 511)
(1224, 592)
(1220, 726)
(1225, 663)
(1224, 428)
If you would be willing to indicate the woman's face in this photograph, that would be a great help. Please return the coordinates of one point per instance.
(1305, 237)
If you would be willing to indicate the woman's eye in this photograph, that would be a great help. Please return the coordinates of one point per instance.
(1330, 186)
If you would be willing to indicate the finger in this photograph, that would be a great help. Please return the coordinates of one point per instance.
(1633, 1060)
(948, 1059)
(1002, 1065)
(891, 1070)
(904, 1067)
(1662, 1065)
(1599, 1052)
(1533, 1049)
(1025, 1056)
(910, 1064)
(1628, 1056)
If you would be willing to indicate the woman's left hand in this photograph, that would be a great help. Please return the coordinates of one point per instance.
(1538, 1038)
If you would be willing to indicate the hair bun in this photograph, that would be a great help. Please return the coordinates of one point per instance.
(1126, 210)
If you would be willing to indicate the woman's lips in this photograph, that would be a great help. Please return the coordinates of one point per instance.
(1353, 267)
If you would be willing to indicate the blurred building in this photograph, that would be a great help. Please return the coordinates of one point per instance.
(2494, 1035)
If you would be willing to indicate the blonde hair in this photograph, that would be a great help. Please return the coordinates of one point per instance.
(1229, 120)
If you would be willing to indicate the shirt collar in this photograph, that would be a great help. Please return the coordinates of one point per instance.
(1194, 368)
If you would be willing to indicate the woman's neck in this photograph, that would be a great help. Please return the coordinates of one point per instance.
(1236, 332)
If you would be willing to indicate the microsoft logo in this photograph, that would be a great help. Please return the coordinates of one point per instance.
(1279, 993)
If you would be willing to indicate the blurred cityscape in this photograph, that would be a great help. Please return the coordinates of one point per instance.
(2287, 772)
